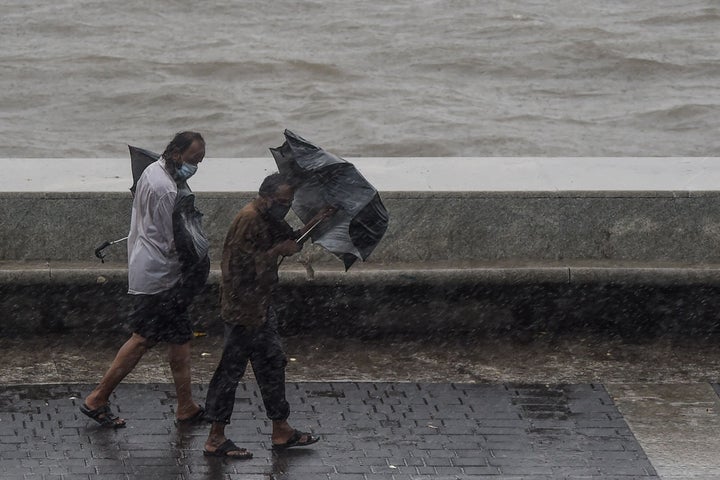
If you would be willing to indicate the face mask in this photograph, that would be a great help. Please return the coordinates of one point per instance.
(278, 211)
(185, 171)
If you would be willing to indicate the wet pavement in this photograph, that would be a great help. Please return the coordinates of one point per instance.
(391, 408)
(64, 358)
(369, 430)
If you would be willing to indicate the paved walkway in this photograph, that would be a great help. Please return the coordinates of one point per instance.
(386, 409)
(397, 431)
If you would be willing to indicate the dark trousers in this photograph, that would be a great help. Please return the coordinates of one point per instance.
(263, 348)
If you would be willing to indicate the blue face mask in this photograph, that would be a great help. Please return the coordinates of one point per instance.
(185, 171)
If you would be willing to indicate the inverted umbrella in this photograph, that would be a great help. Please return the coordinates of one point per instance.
(325, 179)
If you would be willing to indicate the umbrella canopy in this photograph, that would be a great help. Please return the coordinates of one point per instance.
(139, 161)
(326, 179)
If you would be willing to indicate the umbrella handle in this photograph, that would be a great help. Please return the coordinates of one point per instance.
(99, 250)
(303, 238)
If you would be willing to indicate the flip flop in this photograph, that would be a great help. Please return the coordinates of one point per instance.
(103, 416)
(226, 448)
(197, 417)
(296, 440)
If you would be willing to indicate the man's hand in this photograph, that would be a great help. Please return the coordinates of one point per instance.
(287, 248)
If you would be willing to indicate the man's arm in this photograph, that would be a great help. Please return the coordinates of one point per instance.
(238, 252)
(246, 260)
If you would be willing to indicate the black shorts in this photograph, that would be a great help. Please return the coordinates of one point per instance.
(162, 317)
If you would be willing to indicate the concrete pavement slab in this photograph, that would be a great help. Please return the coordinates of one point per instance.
(677, 425)
(369, 430)
(536, 371)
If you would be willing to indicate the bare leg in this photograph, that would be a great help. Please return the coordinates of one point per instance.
(125, 361)
(217, 437)
(282, 431)
(179, 356)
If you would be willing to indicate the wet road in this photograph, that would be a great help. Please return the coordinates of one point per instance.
(665, 389)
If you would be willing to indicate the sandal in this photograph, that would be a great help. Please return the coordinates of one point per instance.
(196, 417)
(103, 416)
(225, 450)
(296, 440)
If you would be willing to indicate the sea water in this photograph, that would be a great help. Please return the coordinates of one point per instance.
(410, 78)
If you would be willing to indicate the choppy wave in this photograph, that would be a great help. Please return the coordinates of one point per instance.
(707, 15)
(681, 117)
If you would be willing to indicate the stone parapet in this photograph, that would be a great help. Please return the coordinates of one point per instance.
(479, 227)
(487, 244)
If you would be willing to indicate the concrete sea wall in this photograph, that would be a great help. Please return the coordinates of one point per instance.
(635, 260)
(457, 227)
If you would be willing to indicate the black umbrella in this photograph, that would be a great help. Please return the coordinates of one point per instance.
(326, 179)
(140, 159)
